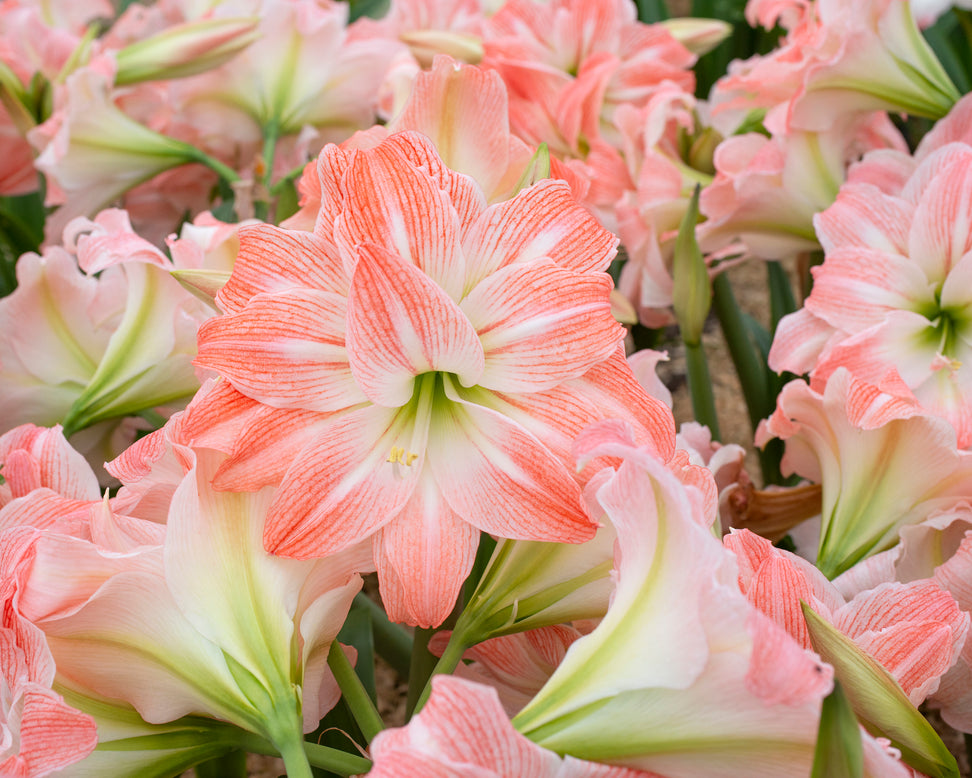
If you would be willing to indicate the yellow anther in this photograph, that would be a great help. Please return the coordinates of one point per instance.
(401, 456)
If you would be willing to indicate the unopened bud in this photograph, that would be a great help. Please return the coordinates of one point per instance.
(185, 50)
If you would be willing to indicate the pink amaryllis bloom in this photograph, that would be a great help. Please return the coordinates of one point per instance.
(882, 462)
(569, 66)
(417, 368)
(483, 744)
(914, 630)
(151, 617)
(894, 290)
(838, 58)
(767, 190)
(39, 732)
(680, 646)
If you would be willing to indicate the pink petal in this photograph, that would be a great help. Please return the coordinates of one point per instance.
(423, 556)
(941, 233)
(856, 288)
(272, 260)
(285, 350)
(465, 192)
(541, 324)
(400, 325)
(542, 221)
(463, 110)
(501, 479)
(47, 454)
(266, 445)
(401, 208)
(347, 483)
(52, 734)
(865, 217)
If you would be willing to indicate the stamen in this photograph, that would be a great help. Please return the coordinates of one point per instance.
(401, 456)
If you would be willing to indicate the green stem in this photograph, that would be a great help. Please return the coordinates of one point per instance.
(392, 643)
(355, 695)
(700, 388)
(484, 552)
(223, 171)
(225, 766)
(782, 301)
(749, 366)
(295, 759)
(420, 669)
(447, 663)
(339, 762)
(261, 205)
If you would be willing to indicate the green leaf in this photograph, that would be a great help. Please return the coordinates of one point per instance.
(651, 11)
(373, 8)
(357, 632)
(879, 702)
(839, 752)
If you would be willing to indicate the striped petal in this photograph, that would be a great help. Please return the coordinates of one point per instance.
(348, 483)
(541, 324)
(400, 325)
(501, 479)
(286, 350)
(402, 209)
(542, 221)
(423, 555)
(272, 259)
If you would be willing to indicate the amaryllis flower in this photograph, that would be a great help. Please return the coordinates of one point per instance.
(483, 744)
(152, 617)
(882, 463)
(39, 732)
(650, 687)
(894, 292)
(914, 630)
(417, 368)
(838, 58)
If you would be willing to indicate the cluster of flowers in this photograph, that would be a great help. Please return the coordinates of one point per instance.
(333, 299)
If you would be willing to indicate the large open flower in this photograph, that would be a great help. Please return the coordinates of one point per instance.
(418, 368)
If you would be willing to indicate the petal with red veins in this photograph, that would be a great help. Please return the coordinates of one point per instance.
(856, 288)
(400, 325)
(429, 551)
(464, 110)
(541, 324)
(501, 479)
(941, 232)
(466, 194)
(285, 350)
(348, 483)
(266, 445)
(402, 209)
(272, 259)
(542, 221)
(864, 217)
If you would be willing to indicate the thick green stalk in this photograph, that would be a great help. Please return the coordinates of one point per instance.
(231, 765)
(355, 695)
(420, 670)
(700, 388)
(335, 761)
(781, 294)
(745, 357)
(261, 203)
(223, 171)
(392, 643)
(447, 664)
